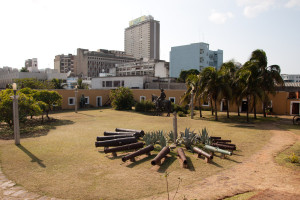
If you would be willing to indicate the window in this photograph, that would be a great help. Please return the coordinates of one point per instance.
(142, 98)
(172, 99)
(116, 83)
(122, 83)
(108, 84)
(205, 103)
(87, 100)
(71, 101)
(103, 83)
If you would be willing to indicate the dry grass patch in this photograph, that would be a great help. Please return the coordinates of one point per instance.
(65, 163)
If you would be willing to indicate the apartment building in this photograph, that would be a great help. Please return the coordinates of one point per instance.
(32, 65)
(92, 63)
(142, 38)
(193, 56)
(291, 78)
(64, 63)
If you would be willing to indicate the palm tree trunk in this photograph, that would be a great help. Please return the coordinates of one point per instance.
(238, 105)
(264, 109)
(247, 109)
(216, 111)
(254, 106)
(227, 108)
(200, 107)
(212, 108)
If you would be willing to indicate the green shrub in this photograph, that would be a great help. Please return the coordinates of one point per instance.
(294, 158)
(181, 114)
(144, 106)
(121, 98)
(178, 108)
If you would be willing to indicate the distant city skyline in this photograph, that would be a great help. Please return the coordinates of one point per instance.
(43, 29)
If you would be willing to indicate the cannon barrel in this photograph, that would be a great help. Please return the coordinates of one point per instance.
(160, 155)
(141, 133)
(137, 145)
(203, 153)
(217, 140)
(145, 150)
(111, 137)
(224, 146)
(217, 149)
(182, 155)
(108, 133)
(116, 142)
(228, 144)
(214, 138)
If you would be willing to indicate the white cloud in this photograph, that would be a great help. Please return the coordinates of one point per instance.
(220, 18)
(292, 3)
(252, 8)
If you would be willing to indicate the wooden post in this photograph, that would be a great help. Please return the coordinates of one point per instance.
(175, 127)
(16, 119)
(192, 105)
(76, 92)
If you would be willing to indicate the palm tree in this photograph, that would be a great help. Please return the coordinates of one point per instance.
(270, 75)
(215, 86)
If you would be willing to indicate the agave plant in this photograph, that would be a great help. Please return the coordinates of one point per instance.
(204, 138)
(188, 138)
(150, 138)
(171, 136)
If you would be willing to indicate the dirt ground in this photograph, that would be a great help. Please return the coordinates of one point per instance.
(259, 173)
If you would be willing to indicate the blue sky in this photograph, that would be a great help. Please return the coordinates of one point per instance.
(43, 28)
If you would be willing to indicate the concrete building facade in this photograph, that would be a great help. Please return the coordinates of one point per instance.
(64, 63)
(143, 67)
(291, 78)
(32, 65)
(142, 38)
(193, 56)
(92, 63)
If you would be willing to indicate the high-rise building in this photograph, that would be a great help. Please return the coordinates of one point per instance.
(142, 38)
(64, 63)
(193, 56)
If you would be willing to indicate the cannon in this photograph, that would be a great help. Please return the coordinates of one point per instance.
(126, 147)
(163, 153)
(224, 146)
(228, 144)
(225, 141)
(115, 142)
(214, 138)
(110, 133)
(111, 137)
(145, 150)
(217, 149)
(182, 157)
(208, 157)
(141, 133)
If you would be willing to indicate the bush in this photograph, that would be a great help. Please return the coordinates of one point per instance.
(181, 114)
(122, 98)
(144, 106)
(178, 108)
(293, 158)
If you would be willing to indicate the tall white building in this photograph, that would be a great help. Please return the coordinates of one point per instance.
(32, 65)
(142, 38)
(193, 56)
(294, 78)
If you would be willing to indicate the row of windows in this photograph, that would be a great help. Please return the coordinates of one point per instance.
(112, 83)
(71, 101)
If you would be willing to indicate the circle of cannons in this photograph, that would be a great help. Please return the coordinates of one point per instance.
(127, 140)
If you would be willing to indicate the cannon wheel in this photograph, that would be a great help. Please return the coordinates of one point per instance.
(296, 120)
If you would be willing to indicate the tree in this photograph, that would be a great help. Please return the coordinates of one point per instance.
(23, 69)
(34, 83)
(122, 98)
(50, 98)
(58, 83)
(214, 85)
(81, 85)
(27, 106)
(185, 73)
(270, 75)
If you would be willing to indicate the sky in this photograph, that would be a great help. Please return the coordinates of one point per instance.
(45, 28)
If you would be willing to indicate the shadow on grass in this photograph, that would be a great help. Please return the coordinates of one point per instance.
(190, 164)
(33, 128)
(32, 156)
(166, 164)
(145, 159)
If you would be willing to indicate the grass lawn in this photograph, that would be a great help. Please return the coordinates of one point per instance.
(64, 163)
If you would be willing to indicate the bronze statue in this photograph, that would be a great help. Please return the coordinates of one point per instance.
(161, 103)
